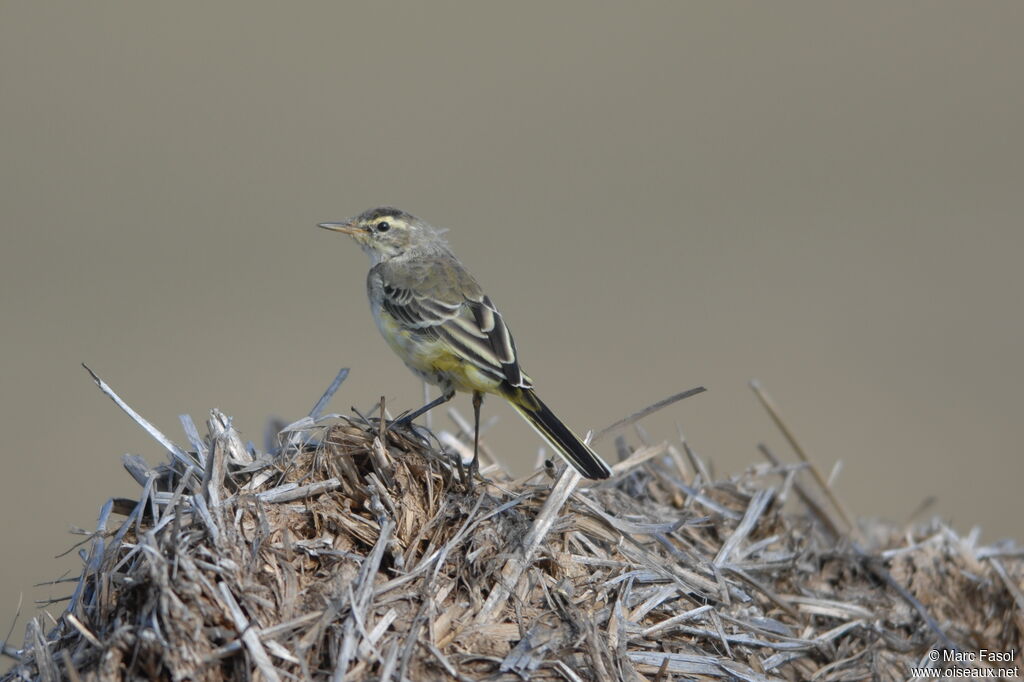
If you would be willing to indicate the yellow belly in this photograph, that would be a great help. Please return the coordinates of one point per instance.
(433, 360)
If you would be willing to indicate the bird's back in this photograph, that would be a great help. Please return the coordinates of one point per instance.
(434, 273)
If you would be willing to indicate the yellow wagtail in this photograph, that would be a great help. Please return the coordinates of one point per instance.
(435, 316)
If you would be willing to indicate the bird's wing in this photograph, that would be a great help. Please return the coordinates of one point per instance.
(454, 310)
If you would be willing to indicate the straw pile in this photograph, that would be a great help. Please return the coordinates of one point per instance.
(353, 551)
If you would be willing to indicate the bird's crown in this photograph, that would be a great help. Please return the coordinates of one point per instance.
(386, 232)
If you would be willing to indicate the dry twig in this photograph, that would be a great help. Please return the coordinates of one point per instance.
(353, 552)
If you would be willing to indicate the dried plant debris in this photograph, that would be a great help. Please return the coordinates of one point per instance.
(354, 550)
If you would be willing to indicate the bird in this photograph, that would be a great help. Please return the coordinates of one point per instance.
(438, 320)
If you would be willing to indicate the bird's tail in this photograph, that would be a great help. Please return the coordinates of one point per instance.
(557, 434)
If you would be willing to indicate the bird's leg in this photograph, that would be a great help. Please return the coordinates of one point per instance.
(474, 468)
(426, 399)
(440, 400)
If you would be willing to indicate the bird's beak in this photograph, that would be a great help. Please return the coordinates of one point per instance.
(347, 227)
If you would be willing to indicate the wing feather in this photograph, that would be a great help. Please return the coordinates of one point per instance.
(472, 327)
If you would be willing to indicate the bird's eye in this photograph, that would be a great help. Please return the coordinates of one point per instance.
(383, 226)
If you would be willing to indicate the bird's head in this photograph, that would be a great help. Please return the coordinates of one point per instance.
(385, 232)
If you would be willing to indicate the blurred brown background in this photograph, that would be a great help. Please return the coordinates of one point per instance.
(824, 196)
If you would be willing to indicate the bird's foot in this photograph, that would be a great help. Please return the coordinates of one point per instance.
(404, 419)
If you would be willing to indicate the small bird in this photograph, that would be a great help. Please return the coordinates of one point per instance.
(438, 320)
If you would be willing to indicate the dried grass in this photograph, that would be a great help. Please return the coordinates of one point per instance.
(352, 551)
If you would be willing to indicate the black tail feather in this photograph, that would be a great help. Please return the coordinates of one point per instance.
(558, 435)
